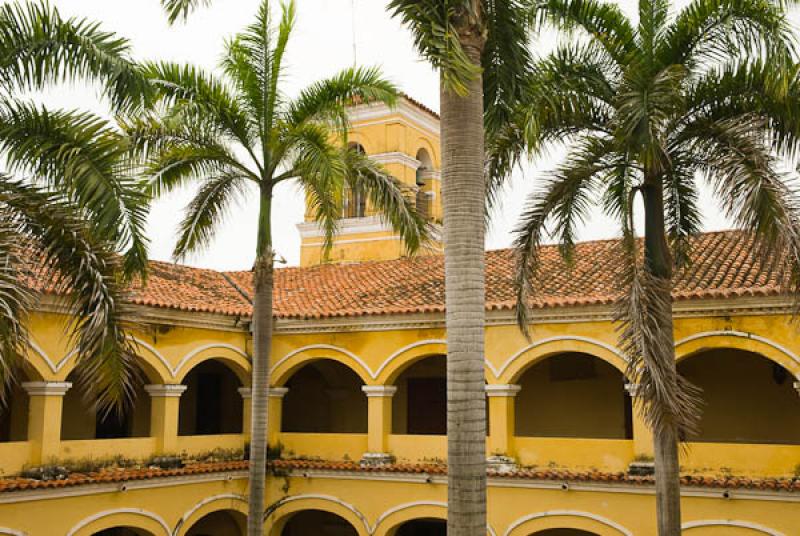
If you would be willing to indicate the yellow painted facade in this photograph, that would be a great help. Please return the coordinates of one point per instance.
(405, 140)
(345, 390)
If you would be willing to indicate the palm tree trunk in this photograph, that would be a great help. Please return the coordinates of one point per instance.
(658, 258)
(463, 193)
(263, 281)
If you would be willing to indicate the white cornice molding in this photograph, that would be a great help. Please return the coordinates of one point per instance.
(502, 390)
(347, 226)
(396, 157)
(165, 390)
(379, 391)
(130, 485)
(277, 392)
(46, 388)
(379, 112)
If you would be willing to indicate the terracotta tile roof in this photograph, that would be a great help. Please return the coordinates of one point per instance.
(723, 267)
(124, 475)
(419, 105)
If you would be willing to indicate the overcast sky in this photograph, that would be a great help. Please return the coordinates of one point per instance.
(321, 45)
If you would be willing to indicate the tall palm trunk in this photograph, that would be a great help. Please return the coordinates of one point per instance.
(263, 281)
(463, 193)
(658, 258)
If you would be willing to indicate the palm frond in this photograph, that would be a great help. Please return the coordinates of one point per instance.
(438, 27)
(38, 46)
(644, 323)
(191, 87)
(206, 211)
(327, 100)
(389, 197)
(85, 158)
(563, 199)
(713, 31)
(179, 10)
(84, 270)
(604, 22)
(16, 300)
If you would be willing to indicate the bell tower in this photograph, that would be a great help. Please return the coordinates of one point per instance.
(405, 140)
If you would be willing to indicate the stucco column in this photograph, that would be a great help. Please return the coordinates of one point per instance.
(247, 410)
(44, 418)
(501, 419)
(379, 423)
(275, 414)
(642, 435)
(165, 403)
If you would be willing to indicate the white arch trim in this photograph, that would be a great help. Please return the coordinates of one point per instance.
(568, 513)
(12, 532)
(135, 511)
(406, 506)
(404, 349)
(331, 347)
(190, 512)
(329, 498)
(730, 523)
(562, 338)
(57, 366)
(741, 334)
(185, 359)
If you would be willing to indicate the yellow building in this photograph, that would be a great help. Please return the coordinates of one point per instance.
(357, 403)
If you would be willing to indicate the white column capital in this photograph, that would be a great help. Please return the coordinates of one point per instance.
(246, 392)
(46, 388)
(634, 389)
(797, 387)
(379, 391)
(508, 390)
(277, 392)
(165, 390)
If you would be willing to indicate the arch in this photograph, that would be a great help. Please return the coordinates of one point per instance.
(209, 505)
(738, 340)
(573, 395)
(234, 358)
(121, 517)
(423, 143)
(154, 365)
(11, 532)
(212, 402)
(359, 138)
(38, 364)
(419, 405)
(566, 519)
(394, 365)
(325, 396)
(394, 517)
(746, 397)
(82, 420)
(516, 364)
(285, 367)
(688, 526)
(281, 510)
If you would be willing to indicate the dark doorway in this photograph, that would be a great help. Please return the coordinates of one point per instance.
(423, 527)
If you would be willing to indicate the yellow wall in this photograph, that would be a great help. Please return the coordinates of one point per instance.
(379, 358)
(388, 135)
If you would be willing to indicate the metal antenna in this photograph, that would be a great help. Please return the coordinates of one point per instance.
(353, 26)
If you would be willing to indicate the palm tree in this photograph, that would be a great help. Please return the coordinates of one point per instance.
(62, 229)
(480, 50)
(654, 109)
(244, 132)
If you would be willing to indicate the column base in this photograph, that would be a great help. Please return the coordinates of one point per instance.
(502, 464)
(377, 458)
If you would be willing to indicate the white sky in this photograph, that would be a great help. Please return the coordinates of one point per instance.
(321, 45)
